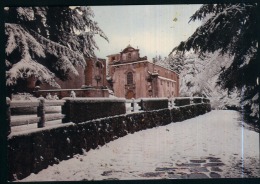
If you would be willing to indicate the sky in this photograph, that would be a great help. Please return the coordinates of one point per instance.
(154, 29)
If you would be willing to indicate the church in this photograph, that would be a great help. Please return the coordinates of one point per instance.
(132, 76)
(129, 76)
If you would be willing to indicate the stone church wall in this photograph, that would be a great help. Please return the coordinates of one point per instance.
(167, 84)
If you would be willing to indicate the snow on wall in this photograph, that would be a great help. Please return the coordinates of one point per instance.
(32, 152)
(83, 109)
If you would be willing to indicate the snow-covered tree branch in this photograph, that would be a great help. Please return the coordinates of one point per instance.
(230, 30)
(48, 42)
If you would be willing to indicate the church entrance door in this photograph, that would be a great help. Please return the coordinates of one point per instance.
(130, 94)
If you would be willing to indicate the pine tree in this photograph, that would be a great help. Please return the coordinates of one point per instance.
(164, 62)
(176, 61)
(230, 29)
(48, 42)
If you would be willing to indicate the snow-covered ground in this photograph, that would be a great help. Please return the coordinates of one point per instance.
(163, 152)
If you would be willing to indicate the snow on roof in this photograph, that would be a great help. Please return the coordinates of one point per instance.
(163, 78)
(143, 61)
(153, 73)
(129, 63)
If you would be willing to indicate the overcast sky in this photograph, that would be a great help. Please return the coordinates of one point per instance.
(154, 29)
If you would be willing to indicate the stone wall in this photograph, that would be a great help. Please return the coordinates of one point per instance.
(32, 152)
(166, 78)
(148, 104)
(181, 101)
(78, 110)
(93, 70)
(166, 85)
(197, 100)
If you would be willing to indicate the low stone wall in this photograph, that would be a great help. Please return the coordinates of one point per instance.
(197, 100)
(148, 104)
(32, 152)
(181, 101)
(78, 110)
(206, 100)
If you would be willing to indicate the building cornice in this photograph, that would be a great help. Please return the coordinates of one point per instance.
(143, 61)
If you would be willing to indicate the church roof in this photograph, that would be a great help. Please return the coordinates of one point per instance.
(129, 48)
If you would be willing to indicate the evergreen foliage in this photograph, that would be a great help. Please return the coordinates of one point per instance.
(164, 62)
(48, 42)
(230, 29)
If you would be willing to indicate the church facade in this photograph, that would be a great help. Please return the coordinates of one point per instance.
(132, 76)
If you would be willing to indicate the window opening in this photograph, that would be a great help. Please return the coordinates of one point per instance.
(130, 78)
(129, 56)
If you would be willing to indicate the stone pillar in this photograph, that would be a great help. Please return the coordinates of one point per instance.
(41, 113)
(65, 110)
(155, 85)
(133, 105)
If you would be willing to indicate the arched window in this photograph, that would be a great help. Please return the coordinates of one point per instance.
(129, 55)
(129, 78)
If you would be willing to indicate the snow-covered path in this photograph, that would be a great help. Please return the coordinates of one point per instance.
(216, 144)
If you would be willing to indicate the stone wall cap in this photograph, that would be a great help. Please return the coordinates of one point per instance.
(58, 90)
(91, 99)
(190, 97)
(153, 99)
